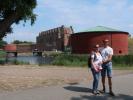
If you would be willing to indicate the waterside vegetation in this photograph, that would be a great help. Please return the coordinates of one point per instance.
(81, 60)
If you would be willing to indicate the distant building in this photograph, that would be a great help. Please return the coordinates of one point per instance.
(54, 39)
(20, 48)
(83, 42)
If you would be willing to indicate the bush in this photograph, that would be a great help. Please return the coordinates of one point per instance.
(125, 60)
(2, 61)
(70, 60)
(16, 62)
(81, 60)
(2, 54)
(2, 57)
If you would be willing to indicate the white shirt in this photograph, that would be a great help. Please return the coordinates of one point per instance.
(98, 59)
(105, 52)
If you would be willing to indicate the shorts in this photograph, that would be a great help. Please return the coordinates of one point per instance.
(107, 69)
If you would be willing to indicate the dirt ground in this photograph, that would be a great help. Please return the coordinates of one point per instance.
(14, 77)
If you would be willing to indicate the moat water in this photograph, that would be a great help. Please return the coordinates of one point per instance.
(32, 59)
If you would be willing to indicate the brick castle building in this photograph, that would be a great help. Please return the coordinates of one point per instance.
(54, 39)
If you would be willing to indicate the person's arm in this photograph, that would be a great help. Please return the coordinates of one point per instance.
(101, 60)
(109, 56)
(109, 59)
(93, 64)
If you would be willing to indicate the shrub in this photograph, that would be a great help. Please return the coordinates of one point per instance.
(70, 60)
(81, 60)
(125, 60)
(2, 57)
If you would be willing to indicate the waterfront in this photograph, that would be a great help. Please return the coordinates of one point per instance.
(30, 59)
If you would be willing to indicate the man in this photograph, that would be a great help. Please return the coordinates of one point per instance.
(107, 53)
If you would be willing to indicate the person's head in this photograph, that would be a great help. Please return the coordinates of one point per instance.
(96, 47)
(105, 42)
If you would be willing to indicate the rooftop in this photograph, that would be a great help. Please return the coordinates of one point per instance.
(100, 29)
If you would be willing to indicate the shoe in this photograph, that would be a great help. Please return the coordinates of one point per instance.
(102, 91)
(98, 92)
(94, 92)
(111, 93)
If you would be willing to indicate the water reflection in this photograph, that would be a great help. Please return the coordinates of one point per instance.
(32, 59)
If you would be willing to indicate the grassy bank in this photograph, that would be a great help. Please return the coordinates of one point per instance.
(126, 60)
(67, 59)
(70, 60)
(2, 57)
(81, 60)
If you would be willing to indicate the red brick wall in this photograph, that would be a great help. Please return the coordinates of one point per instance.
(54, 39)
(21, 48)
(10, 47)
(82, 43)
(25, 48)
(120, 43)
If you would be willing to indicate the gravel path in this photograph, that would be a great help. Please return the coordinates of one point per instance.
(122, 87)
(31, 76)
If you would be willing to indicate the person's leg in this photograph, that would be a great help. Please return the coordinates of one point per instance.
(95, 81)
(110, 84)
(103, 74)
(103, 83)
(109, 73)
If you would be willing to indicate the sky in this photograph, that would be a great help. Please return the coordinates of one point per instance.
(80, 14)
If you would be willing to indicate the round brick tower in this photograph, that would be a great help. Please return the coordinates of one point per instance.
(83, 42)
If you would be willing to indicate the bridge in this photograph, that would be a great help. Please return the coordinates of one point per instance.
(15, 49)
(13, 52)
(37, 53)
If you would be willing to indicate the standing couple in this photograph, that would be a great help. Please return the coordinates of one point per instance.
(101, 64)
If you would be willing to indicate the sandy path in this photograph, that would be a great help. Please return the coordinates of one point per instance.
(28, 76)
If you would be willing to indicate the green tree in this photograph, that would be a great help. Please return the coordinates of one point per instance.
(2, 43)
(21, 42)
(14, 11)
(130, 45)
(16, 42)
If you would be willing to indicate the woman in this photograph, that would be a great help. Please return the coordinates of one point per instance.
(96, 62)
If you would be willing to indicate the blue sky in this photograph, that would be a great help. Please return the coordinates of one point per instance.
(81, 14)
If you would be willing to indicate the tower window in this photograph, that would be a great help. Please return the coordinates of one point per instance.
(120, 51)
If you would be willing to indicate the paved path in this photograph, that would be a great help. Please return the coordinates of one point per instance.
(123, 87)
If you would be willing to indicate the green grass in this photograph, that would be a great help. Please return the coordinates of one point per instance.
(81, 60)
(2, 54)
(16, 62)
(122, 61)
(2, 57)
(70, 60)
